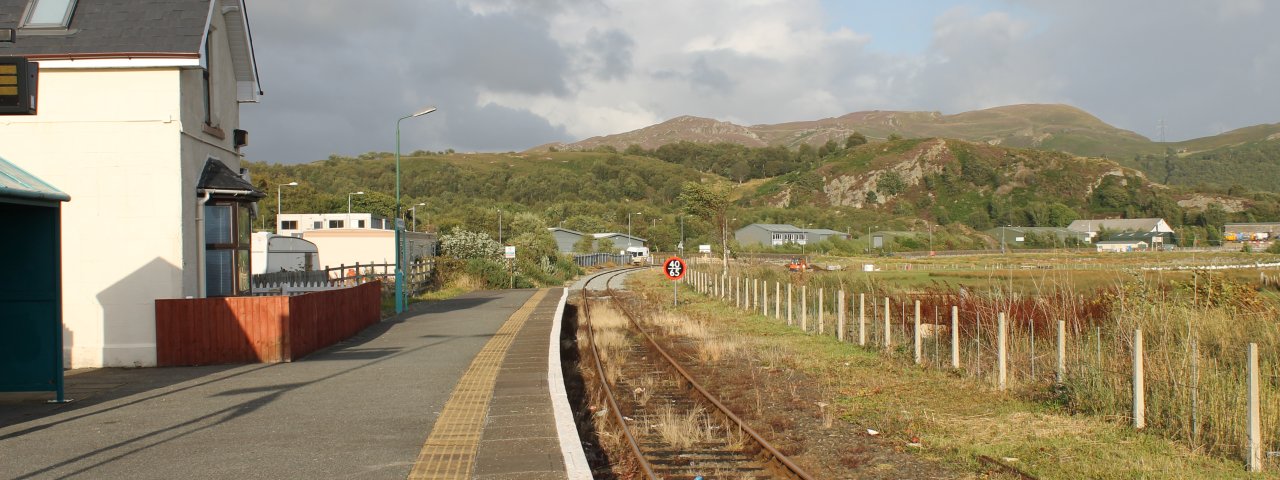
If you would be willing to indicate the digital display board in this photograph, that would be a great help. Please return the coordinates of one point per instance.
(18, 79)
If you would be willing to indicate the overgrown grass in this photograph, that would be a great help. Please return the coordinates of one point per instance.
(959, 414)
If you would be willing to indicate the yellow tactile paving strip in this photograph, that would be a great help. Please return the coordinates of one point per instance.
(450, 450)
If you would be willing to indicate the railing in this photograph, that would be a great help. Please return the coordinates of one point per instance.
(597, 259)
(416, 276)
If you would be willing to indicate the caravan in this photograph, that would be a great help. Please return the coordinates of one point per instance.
(637, 255)
(274, 253)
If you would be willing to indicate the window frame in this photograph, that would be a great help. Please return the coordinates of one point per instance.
(32, 5)
(240, 245)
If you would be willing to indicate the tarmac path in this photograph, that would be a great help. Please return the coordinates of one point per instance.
(360, 409)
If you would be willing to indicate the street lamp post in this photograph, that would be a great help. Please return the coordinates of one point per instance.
(414, 211)
(280, 187)
(400, 300)
(629, 214)
(500, 227)
(682, 235)
(349, 194)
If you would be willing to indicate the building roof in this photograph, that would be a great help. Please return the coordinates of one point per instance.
(113, 26)
(1121, 242)
(217, 176)
(1140, 224)
(611, 234)
(558, 229)
(17, 183)
(137, 29)
(775, 227)
(823, 231)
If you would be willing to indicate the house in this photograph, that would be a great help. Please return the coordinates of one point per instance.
(566, 239)
(295, 224)
(349, 246)
(770, 234)
(619, 241)
(1093, 227)
(138, 119)
(1154, 240)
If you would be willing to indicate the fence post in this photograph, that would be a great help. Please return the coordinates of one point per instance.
(888, 329)
(764, 304)
(955, 336)
(1003, 352)
(917, 332)
(1139, 389)
(1062, 351)
(789, 305)
(862, 319)
(1254, 418)
(804, 308)
(840, 315)
(777, 300)
(1195, 390)
(822, 323)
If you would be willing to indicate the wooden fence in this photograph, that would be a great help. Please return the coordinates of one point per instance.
(417, 276)
(205, 331)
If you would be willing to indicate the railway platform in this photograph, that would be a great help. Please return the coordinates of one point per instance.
(463, 388)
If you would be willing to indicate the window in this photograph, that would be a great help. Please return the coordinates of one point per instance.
(208, 66)
(49, 14)
(317, 225)
(336, 223)
(227, 232)
(289, 225)
(360, 223)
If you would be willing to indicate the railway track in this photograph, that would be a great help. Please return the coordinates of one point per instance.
(674, 428)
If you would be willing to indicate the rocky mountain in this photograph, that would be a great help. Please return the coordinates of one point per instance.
(1044, 127)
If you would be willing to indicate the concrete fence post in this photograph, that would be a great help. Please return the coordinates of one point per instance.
(918, 337)
(764, 302)
(862, 319)
(840, 316)
(777, 300)
(804, 308)
(790, 316)
(822, 324)
(955, 336)
(755, 293)
(1139, 388)
(888, 332)
(1002, 352)
(1255, 412)
(1062, 351)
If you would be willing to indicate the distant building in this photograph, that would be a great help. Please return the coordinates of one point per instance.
(348, 246)
(566, 239)
(1250, 232)
(1154, 240)
(770, 235)
(295, 224)
(1093, 227)
(619, 241)
(1121, 246)
(816, 235)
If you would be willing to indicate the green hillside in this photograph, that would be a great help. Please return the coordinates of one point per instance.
(950, 188)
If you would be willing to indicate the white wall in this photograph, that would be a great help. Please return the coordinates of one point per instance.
(127, 145)
(349, 246)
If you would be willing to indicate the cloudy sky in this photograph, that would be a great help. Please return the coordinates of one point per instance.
(513, 74)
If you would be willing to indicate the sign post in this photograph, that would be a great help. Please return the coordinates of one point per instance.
(509, 253)
(674, 269)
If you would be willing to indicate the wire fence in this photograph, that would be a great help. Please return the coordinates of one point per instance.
(1183, 372)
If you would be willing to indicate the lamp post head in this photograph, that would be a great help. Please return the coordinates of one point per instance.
(358, 193)
(423, 112)
(421, 205)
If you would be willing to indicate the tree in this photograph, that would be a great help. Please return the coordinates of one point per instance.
(854, 140)
(466, 245)
(712, 204)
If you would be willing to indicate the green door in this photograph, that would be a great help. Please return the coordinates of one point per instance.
(30, 315)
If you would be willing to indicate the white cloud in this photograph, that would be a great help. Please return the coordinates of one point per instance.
(510, 74)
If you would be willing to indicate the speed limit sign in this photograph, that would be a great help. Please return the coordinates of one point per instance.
(673, 268)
